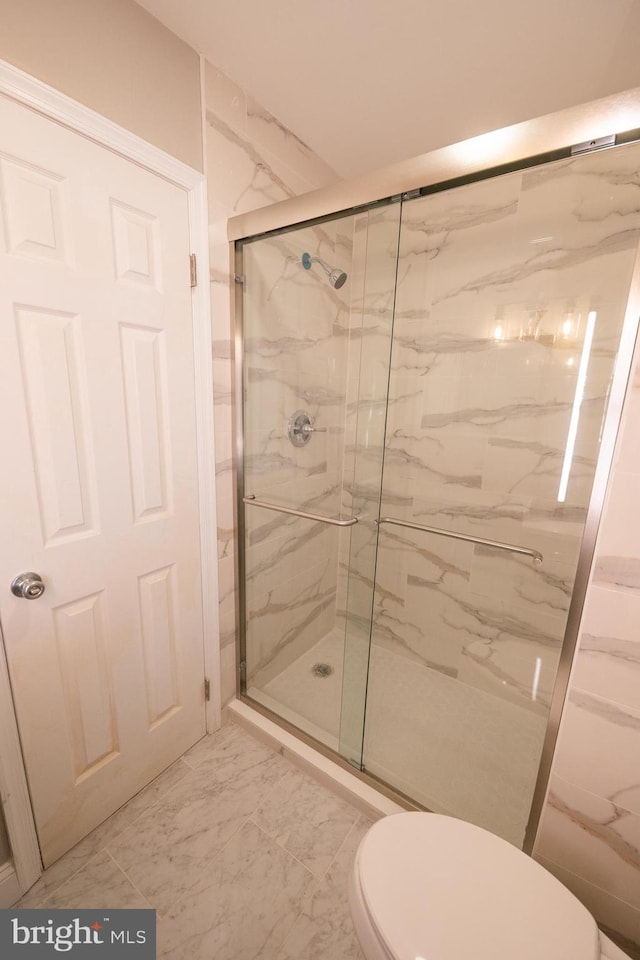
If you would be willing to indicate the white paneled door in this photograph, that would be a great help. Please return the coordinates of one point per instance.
(98, 483)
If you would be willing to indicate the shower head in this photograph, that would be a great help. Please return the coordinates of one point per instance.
(337, 277)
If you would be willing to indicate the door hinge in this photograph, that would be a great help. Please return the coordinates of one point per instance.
(207, 689)
(193, 270)
(238, 277)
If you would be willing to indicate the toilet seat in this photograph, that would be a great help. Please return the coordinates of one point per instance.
(430, 887)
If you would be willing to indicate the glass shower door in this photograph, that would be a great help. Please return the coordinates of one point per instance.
(510, 303)
(317, 314)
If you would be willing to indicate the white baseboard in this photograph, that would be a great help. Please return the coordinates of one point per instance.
(9, 887)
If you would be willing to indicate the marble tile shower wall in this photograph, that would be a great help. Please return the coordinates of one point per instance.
(296, 342)
(590, 831)
(496, 282)
(252, 161)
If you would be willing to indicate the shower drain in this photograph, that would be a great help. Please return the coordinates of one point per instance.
(322, 670)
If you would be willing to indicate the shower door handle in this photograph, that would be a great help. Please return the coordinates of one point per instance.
(349, 522)
(497, 544)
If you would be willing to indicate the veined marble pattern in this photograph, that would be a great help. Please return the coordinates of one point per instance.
(619, 572)
(274, 884)
(322, 819)
(291, 573)
(101, 883)
(591, 725)
(323, 929)
(227, 599)
(95, 843)
(608, 662)
(288, 619)
(212, 920)
(310, 346)
(498, 285)
(290, 316)
(617, 563)
(615, 916)
(252, 161)
(589, 834)
(169, 847)
(375, 259)
(600, 838)
(490, 322)
(455, 749)
(485, 616)
(247, 175)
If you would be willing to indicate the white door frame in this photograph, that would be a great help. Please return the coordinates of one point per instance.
(56, 106)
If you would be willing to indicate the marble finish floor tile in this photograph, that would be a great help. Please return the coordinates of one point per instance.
(168, 848)
(244, 857)
(229, 750)
(84, 851)
(99, 884)
(324, 928)
(306, 819)
(243, 905)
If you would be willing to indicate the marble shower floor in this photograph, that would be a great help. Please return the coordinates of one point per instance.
(243, 856)
(452, 747)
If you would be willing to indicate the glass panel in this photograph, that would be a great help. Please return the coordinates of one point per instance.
(509, 308)
(367, 389)
(307, 334)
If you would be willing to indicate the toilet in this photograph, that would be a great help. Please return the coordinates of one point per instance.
(430, 887)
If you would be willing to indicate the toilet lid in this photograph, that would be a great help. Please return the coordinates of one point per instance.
(437, 888)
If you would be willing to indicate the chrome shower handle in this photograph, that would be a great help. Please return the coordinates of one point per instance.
(299, 513)
(496, 544)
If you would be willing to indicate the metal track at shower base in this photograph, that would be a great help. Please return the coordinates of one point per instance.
(351, 766)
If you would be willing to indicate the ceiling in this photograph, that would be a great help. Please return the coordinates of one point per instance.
(369, 82)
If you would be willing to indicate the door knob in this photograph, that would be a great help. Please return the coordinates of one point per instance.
(28, 586)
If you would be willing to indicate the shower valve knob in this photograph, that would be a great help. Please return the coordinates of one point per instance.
(299, 428)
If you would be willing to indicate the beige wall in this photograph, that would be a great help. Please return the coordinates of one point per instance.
(112, 56)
